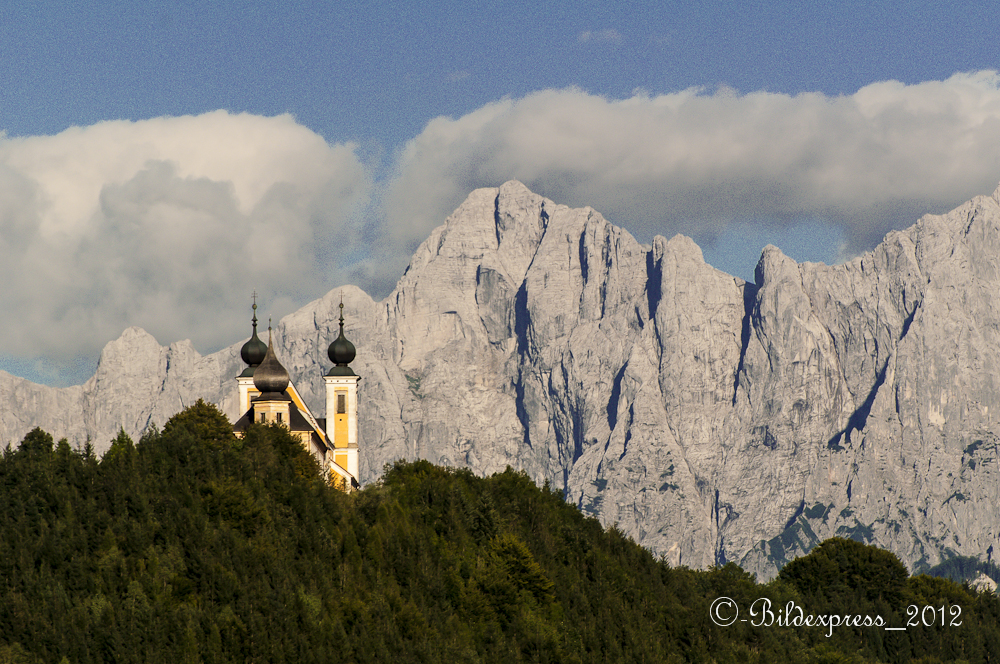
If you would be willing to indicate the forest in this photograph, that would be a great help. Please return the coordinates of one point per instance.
(192, 545)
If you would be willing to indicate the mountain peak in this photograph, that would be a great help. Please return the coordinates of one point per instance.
(713, 420)
(132, 339)
(774, 265)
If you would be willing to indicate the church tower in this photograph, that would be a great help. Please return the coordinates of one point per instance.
(342, 402)
(268, 396)
(271, 380)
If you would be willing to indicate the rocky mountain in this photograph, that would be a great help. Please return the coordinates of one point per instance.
(714, 420)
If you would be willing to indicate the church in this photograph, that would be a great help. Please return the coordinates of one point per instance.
(267, 395)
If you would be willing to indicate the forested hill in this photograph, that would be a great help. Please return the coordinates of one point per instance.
(193, 546)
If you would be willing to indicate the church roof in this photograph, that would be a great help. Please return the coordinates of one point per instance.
(298, 421)
(270, 377)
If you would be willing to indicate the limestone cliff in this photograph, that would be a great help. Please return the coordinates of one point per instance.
(714, 420)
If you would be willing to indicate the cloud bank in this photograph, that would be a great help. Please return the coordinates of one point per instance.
(693, 161)
(169, 223)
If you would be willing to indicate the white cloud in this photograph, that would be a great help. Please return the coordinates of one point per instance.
(693, 161)
(168, 224)
(608, 36)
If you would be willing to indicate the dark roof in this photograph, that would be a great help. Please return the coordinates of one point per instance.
(244, 421)
(272, 396)
(297, 421)
(270, 376)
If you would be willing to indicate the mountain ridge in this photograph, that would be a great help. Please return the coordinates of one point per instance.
(713, 419)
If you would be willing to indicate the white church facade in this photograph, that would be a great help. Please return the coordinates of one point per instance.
(267, 395)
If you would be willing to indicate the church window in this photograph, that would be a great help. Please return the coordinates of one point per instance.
(279, 416)
(262, 417)
(341, 404)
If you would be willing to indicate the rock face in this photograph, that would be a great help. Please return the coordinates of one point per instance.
(714, 420)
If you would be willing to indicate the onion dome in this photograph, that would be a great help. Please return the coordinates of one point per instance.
(341, 351)
(270, 377)
(253, 351)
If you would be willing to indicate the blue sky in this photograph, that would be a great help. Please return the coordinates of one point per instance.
(357, 127)
(379, 71)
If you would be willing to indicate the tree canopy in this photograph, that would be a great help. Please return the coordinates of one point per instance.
(195, 546)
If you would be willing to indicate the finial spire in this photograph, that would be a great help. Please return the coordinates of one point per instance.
(341, 313)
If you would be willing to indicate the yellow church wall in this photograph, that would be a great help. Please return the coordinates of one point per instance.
(340, 427)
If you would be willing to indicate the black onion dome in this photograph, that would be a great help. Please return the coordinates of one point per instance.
(341, 351)
(254, 350)
(270, 377)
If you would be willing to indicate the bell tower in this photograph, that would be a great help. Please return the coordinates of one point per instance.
(342, 402)
(271, 380)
